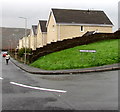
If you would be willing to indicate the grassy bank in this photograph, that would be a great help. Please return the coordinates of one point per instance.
(107, 53)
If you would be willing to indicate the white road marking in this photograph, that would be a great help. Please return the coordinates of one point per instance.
(1, 78)
(37, 88)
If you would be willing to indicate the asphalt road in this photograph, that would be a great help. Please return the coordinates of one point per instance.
(91, 91)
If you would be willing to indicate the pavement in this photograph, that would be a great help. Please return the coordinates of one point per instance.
(34, 70)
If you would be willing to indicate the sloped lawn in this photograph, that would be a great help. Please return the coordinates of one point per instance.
(106, 53)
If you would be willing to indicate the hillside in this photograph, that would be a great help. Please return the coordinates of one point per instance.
(11, 36)
(106, 53)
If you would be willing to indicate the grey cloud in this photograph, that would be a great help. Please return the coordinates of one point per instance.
(39, 9)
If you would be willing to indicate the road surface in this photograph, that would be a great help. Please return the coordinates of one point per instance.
(90, 91)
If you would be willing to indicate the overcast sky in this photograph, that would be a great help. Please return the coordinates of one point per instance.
(35, 10)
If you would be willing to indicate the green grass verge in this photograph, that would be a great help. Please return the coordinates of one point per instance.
(107, 53)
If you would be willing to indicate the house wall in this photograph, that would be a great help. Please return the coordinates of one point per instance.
(20, 44)
(44, 37)
(69, 31)
(23, 39)
(35, 42)
(39, 37)
(32, 40)
(32, 46)
(27, 42)
(51, 30)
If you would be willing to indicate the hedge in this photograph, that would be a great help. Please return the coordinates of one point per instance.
(70, 43)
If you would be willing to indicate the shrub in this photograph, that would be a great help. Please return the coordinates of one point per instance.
(22, 51)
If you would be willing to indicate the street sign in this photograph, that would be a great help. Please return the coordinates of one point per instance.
(87, 51)
(92, 51)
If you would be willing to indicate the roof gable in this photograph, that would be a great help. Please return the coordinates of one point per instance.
(81, 16)
(34, 28)
(43, 25)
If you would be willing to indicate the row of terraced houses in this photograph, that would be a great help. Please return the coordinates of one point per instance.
(66, 24)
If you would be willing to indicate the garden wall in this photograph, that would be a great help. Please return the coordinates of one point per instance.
(70, 43)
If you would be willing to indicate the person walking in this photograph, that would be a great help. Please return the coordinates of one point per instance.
(7, 57)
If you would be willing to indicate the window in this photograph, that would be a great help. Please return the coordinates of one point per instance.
(82, 29)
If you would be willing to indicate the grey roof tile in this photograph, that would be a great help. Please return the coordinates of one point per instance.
(34, 27)
(43, 25)
(81, 16)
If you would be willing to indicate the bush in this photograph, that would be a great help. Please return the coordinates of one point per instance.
(22, 51)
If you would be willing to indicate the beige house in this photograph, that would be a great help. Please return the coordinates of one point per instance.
(33, 37)
(20, 44)
(24, 42)
(66, 23)
(41, 33)
(27, 44)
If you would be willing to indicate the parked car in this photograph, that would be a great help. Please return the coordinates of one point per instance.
(4, 54)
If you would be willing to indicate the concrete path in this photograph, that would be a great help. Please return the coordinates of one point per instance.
(34, 70)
